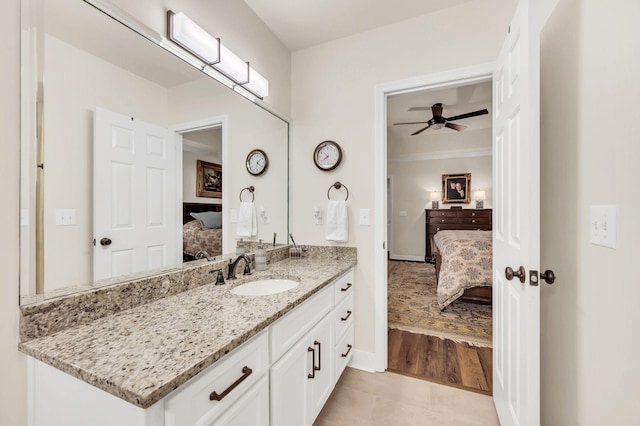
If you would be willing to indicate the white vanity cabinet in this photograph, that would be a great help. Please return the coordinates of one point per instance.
(281, 376)
(302, 379)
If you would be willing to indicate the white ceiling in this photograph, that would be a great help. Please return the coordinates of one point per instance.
(456, 100)
(303, 23)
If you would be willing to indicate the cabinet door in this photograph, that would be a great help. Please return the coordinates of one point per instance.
(251, 409)
(321, 385)
(288, 386)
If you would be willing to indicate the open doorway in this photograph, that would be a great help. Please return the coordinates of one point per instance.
(444, 135)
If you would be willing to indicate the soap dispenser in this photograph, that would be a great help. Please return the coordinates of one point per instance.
(261, 257)
(240, 249)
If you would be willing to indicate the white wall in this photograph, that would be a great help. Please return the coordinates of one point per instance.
(13, 371)
(413, 182)
(239, 29)
(333, 88)
(248, 127)
(589, 155)
(72, 94)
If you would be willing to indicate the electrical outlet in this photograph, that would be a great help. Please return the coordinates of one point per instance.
(233, 216)
(603, 226)
(365, 217)
(317, 215)
(403, 213)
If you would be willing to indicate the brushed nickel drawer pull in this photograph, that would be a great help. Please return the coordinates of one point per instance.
(246, 372)
(347, 317)
(347, 287)
(344, 355)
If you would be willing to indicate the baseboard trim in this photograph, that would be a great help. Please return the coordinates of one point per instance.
(406, 257)
(363, 360)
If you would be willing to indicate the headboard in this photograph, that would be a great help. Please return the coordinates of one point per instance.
(188, 208)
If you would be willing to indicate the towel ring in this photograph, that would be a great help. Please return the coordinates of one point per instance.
(250, 189)
(338, 185)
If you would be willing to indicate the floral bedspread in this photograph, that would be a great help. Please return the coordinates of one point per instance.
(466, 262)
(195, 238)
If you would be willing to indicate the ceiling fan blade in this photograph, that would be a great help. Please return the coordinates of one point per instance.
(458, 127)
(436, 109)
(419, 109)
(420, 131)
(469, 114)
(412, 122)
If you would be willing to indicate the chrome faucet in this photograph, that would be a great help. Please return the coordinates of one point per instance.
(203, 253)
(231, 272)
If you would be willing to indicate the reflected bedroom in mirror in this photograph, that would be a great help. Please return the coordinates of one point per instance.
(116, 122)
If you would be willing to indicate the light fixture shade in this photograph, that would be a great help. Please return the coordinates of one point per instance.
(232, 66)
(190, 36)
(436, 196)
(479, 195)
(258, 85)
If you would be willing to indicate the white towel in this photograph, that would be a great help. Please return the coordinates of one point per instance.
(247, 223)
(337, 221)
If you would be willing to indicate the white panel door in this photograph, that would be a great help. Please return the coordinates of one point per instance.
(516, 224)
(135, 196)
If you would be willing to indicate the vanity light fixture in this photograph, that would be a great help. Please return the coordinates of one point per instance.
(194, 39)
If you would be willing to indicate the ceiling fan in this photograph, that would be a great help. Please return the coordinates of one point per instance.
(438, 121)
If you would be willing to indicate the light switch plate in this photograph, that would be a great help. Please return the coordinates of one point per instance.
(603, 225)
(364, 216)
(403, 213)
(65, 217)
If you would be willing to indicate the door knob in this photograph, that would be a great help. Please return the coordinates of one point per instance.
(105, 242)
(548, 276)
(519, 273)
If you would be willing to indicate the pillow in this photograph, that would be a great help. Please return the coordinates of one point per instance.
(209, 220)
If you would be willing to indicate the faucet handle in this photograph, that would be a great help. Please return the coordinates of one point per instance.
(219, 277)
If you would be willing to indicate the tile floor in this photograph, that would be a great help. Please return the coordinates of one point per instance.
(386, 399)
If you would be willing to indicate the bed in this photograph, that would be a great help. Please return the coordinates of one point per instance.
(464, 266)
(194, 236)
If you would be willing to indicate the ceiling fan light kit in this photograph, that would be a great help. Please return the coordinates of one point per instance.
(438, 121)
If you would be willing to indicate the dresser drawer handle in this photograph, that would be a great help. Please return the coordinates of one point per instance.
(347, 287)
(344, 355)
(473, 221)
(246, 372)
(473, 214)
(347, 317)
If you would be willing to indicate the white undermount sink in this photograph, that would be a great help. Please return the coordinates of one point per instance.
(264, 287)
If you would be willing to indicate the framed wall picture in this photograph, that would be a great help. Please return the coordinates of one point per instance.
(209, 180)
(456, 188)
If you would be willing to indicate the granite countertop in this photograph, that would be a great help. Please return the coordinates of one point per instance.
(143, 353)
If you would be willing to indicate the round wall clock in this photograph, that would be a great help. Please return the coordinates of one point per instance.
(327, 155)
(257, 162)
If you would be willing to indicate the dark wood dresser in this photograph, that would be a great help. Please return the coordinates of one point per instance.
(441, 219)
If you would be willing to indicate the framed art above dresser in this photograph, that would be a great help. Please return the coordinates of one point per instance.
(453, 219)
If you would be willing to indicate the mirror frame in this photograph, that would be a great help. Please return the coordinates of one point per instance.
(29, 113)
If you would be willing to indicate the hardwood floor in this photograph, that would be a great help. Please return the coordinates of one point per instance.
(441, 360)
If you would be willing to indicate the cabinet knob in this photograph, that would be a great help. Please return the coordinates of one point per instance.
(473, 214)
(473, 221)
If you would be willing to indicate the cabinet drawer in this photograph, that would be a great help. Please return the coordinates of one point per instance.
(343, 286)
(475, 213)
(442, 213)
(344, 352)
(190, 404)
(343, 316)
(448, 219)
(294, 325)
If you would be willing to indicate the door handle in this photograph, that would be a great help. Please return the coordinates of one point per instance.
(105, 241)
(548, 276)
(319, 355)
(215, 396)
(519, 273)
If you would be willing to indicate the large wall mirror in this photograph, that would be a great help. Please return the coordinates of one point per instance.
(121, 141)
